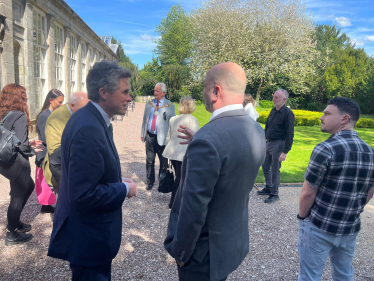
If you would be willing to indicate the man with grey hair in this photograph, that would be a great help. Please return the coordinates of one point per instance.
(157, 114)
(279, 131)
(87, 225)
(54, 127)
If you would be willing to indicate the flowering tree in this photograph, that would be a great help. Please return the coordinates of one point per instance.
(267, 38)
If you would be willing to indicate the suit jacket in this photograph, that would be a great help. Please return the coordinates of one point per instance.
(210, 212)
(17, 122)
(162, 123)
(87, 224)
(54, 127)
(174, 150)
(40, 127)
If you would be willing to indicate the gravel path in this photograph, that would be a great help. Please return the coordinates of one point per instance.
(273, 230)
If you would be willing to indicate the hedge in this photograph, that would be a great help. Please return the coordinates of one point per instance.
(311, 118)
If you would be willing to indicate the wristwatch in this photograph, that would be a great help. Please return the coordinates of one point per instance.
(300, 218)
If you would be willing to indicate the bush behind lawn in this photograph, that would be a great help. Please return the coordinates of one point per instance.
(311, 118)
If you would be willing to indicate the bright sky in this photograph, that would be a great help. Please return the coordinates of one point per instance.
(134, 21)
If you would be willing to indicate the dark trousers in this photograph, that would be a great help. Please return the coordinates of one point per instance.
(178, 170)
(271, 166)
(20, 191)
(101, 272)
(196, 271)
(151, 149)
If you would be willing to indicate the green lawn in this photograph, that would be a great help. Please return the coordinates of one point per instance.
(306, 138)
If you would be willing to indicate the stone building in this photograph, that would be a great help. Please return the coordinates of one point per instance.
(44, 44)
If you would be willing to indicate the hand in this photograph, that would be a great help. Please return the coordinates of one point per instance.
(133, 192)
(282, 157)
(142, 138)
(181, 264)
(35, 143)
(188, 134)
(37, 150)
(127, 180)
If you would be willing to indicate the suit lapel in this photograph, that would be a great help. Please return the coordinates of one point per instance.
(98, 115)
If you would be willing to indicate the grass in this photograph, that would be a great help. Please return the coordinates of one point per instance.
(306, 138)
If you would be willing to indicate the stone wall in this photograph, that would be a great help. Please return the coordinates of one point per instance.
(17, 58)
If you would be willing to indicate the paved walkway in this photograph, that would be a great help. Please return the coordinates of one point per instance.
(273, 230)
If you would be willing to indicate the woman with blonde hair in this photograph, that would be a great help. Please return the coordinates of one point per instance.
(249, 106)
(13, 105)
(175, 151)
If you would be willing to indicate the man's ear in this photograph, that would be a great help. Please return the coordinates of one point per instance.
(216, 93)
(103, 93)
(346, 119)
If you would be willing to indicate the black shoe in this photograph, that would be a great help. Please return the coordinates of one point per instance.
(24, 227)
(149, 186)
(272, 198)
(264, 191)
(47, 209)
(14, 238)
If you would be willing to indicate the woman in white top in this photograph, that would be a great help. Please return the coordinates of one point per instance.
(175, 151)
(249, 107)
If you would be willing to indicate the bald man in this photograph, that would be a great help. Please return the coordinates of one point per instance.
(208, 227)
(53, 130)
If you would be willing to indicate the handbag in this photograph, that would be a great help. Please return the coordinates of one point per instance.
(9, 142)
(166, 179)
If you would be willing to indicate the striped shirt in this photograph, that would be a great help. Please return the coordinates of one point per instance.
(342, 169)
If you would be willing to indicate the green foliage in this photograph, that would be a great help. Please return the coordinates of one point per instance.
(266, 104)
(198, 103)
(347, 72)
(175, 43)
(302, 117)
(365, 123)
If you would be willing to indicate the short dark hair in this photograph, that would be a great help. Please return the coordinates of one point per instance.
(346, 106)
(105, 74)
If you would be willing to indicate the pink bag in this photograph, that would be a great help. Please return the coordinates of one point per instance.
(43, 191)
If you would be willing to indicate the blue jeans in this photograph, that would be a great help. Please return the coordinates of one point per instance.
(316, 245)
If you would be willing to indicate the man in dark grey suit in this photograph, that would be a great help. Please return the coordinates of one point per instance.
(208, 227)
(157, 114)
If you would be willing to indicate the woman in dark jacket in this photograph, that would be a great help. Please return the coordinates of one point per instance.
(17, 170)
(54, 99)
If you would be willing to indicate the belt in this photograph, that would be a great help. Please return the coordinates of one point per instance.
(151, 134)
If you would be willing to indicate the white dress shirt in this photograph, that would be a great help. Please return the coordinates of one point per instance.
(226, 108)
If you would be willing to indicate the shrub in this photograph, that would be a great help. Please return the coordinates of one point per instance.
(302, 117)
(365, 123)
(314, 106)
(198, 102)
(266, 104)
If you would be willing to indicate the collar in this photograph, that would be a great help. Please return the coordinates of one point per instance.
(344, 132)
(226, 108)
(67, 105)
(103, 113)
(280, 109)
(161, 101)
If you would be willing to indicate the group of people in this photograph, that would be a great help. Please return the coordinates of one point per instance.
(215, 166)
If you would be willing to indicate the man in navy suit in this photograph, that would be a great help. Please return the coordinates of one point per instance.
(87, 224)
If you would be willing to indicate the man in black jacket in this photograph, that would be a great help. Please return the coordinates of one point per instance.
(279, 132)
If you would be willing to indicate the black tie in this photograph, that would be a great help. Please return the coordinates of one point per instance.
(111, 130)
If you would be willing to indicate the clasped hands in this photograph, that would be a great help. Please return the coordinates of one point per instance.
(37, 146)
(133, 191)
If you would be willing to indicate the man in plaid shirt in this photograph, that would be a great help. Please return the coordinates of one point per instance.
(338, 183)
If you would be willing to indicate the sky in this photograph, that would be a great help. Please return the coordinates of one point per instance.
(133, 22)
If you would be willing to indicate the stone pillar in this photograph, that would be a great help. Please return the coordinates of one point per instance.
(79, 63)
(29, 56)
(7, 46)
(67, 60)
(2, 35)
(51, 62)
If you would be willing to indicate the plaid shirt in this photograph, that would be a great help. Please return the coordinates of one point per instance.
(342, 167)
